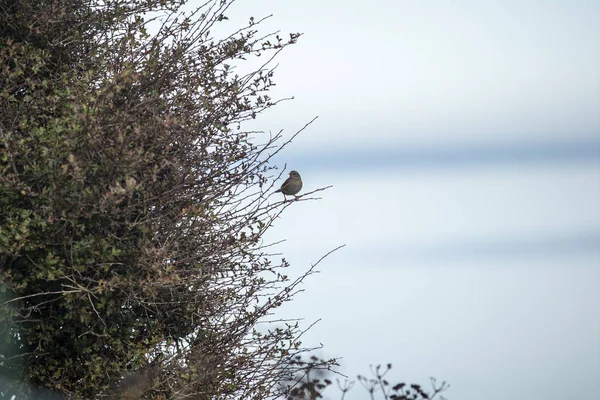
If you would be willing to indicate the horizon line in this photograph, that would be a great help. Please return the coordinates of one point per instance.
(435, 156)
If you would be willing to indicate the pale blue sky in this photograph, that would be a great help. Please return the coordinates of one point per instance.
(463, 142)
(437, 71)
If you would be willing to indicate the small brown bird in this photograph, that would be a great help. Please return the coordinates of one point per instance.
(291, 186)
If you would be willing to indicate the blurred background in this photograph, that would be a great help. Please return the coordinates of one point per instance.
(462, 140)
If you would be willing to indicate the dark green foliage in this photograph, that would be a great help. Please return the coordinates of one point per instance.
(130, 205)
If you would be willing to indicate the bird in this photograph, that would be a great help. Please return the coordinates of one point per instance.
(291, 186)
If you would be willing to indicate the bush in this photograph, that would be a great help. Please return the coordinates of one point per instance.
(132, 204)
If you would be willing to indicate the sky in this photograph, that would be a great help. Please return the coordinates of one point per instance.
(462, 140)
